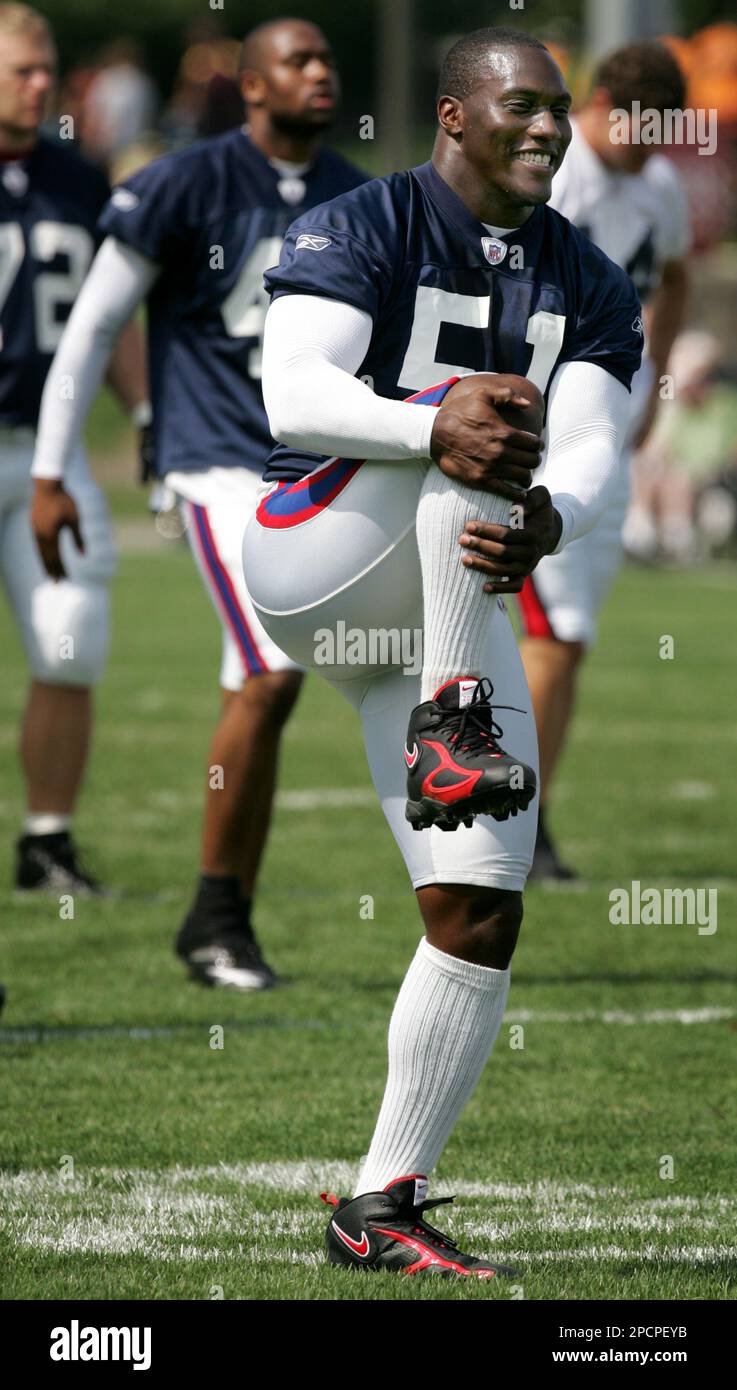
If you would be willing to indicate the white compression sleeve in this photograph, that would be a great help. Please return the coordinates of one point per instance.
(588, 415)
(312, 347)
(118, 280)
(587, 422)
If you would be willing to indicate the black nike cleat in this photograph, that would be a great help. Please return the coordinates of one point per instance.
(50, 864)
(456, 768)
(217, 942)
(386, 1230)
(546, 865)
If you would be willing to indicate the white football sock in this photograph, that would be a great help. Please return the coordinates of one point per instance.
(445, 1021)
(457, 611)
(45, 823)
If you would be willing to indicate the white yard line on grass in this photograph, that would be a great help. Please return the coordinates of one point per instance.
(166, 1214)
(679, 1254)
(307, 1175)
(610, 1017)
(619, 1016)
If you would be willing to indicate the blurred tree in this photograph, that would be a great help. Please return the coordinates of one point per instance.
(165, 29)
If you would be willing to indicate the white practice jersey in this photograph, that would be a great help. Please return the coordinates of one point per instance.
(640, 220)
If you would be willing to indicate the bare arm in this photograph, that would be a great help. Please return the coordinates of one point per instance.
(664, 317)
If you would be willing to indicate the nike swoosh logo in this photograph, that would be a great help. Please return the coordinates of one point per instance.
(411, 758)
(359, 1247)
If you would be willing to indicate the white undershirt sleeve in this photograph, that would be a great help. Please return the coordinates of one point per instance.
(312, 348)
(588, 415)
(118, 280)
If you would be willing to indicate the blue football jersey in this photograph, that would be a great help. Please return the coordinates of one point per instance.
(447, 298)
(213, 217)
(49, 205)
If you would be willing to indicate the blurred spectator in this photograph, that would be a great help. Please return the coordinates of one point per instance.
(691, 450)
(134, 157)
(709, 60)
(223, 108)
(205, 88)
(121, 102)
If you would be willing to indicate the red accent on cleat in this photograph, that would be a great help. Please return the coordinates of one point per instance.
(460, 789)
(329, 1199)
(430, 1258)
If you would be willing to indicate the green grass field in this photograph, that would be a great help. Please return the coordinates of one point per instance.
(140, 1162)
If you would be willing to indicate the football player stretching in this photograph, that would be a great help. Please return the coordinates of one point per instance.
(455, 269)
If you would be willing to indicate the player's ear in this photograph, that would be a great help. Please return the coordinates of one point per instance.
(253, 87)
(450, 116)
(601, 99)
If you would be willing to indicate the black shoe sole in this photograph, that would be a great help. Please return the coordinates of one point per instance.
(501, 804)
(431, 1271)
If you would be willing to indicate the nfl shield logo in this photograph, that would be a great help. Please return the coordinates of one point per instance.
(494, 249)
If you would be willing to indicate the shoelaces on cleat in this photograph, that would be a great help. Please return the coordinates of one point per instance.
(423, 1228)
(474, 728)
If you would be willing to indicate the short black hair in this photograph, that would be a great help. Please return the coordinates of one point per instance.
(646, 72)
(462, 68)
(256, 42)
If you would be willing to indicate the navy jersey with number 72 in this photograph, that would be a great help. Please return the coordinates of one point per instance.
(448, 299)
(50, 201)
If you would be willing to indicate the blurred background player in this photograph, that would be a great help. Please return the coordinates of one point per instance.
(684, 479)
(629, 200)
(193, 234)
(49, 204)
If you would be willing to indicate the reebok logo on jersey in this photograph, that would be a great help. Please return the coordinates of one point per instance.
(306, 242)
(359, 1247)
(637, 327)
(125, 200)
(411, 758)
(494, 249)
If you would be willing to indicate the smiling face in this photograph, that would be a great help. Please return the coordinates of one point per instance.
(296, 81)
(513, 129)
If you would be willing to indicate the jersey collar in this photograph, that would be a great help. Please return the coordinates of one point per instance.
(528, 236)
(266, 164)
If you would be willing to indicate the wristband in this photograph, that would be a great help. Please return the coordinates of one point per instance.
(141, 415)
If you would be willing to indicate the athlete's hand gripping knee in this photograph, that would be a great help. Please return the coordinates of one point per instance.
(488, 433)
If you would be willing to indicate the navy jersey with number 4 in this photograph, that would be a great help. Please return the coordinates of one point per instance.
(213, 217)
(446, 298)
(49, 205)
